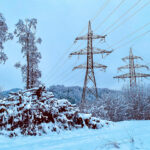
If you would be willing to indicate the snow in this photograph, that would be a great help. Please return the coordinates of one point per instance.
(126, 135)
(84, 116)
(63, 102)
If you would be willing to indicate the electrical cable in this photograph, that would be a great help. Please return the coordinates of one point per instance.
(99, 11)
(129, 17)
(124, 14)
(112, 12)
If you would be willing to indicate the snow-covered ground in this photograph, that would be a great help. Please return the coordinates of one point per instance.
(126, 135)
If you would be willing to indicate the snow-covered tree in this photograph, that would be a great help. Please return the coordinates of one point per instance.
(25, 31)
(130, 103)
(138, 102)
(4, 36)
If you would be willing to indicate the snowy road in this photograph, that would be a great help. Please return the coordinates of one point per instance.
(127, 135)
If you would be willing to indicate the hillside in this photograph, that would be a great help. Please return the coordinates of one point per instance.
(6, 93)
(73, 93)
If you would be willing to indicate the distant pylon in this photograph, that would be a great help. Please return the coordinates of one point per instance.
(89, 81)
(132, 75)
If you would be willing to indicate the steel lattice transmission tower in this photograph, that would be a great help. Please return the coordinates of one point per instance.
(132, 75)
(89, 81)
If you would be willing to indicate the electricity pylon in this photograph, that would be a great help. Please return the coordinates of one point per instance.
(89, 81)
(132, 75)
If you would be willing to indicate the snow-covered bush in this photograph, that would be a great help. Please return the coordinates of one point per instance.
(108, 107)
(138, 102)
(37, 112)
(133, 103)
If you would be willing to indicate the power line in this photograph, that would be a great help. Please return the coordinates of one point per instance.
(98, 13)
(66, 73)
(80, 79)
(126, 19)
(143, 34)
(54, 72)
(100, 10)
(70, 77)
(125, 44)
(126, 37)
(73, 44)
(112, 12)
(61, 57)
(128, 42)
(131, 34)
(124, 14)
(129, 17)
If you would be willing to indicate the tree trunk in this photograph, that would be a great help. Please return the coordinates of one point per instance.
(28, 65)
(27, 70)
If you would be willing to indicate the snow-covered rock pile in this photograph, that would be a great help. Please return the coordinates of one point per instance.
(34, 112)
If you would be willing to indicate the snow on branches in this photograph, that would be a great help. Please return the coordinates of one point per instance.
(4, 36)
(37, 112)
(25, 32)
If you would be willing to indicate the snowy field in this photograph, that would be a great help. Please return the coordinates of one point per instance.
(127, 135)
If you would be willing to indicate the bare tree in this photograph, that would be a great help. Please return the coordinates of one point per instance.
(25, 31)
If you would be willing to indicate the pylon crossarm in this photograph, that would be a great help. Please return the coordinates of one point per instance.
(141, 66)
(85, 37)
(142, 75)
(95, 65)
(80, 52)
(99, 37)
(133, 57)
(83, 66)
(101, 51)
(123, 76)
(137, 57)
(125, 58)
(135, 66)
(95, 51)
(123, 67)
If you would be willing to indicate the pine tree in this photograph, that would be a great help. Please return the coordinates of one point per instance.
(25, 31)
(4, 36)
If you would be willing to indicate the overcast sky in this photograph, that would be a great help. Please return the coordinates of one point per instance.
(60, 22)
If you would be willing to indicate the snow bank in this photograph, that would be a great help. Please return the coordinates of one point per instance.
(126, 135)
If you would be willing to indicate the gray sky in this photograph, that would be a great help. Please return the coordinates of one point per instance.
(60, 21)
